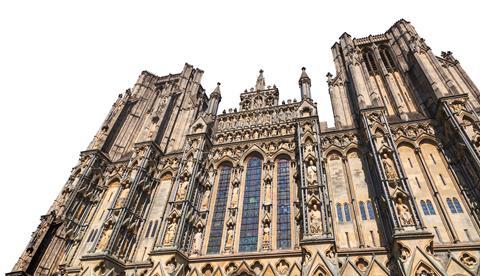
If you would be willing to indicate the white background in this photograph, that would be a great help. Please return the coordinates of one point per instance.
(63, 63)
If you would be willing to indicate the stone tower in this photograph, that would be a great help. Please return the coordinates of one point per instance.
(169, 187)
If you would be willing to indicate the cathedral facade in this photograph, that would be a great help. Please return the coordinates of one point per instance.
(170, 186)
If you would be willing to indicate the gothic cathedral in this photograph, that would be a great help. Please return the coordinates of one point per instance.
(168, 186)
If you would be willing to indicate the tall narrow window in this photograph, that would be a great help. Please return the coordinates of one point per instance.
(251, 205)
(339, 212)
(430, 207)
(450, 205)
(216, 230)
(458, 207)
(362, 210)
(154, 230)
(347, 212)
(424, 207)
(370, 62)
(148, 229)
(387, 58)
(283, 204)
(371, 213)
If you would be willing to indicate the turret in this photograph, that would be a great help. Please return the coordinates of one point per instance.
(305, 84)
(214, 101)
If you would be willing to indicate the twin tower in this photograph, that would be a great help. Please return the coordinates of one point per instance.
(169, 187)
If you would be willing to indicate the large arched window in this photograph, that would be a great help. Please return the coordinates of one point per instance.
(430, 207)
(370, 62)
(451, 206)
(216, 230)
(387, 58)
(424, 207)
(283, 204)
(251, 206)
(458, 207)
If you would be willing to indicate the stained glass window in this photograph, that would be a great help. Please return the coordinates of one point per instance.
(424, 207)
(362, 210)
(371, 213)
(430, 207)
(216, 230)
(251, 205)
(339, 212)
(347, 212)
(283, 204)
(458, 207)
(450, 205)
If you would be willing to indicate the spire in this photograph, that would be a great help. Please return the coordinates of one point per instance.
(304, 77)
(214, 101)
(260, 85)
(305, 83)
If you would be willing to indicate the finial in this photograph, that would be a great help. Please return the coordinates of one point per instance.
(261, 71)
(218, 84)
(303, 68)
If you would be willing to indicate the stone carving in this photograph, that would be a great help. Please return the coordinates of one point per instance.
(235, 194)
(403, 211)
(282, 267)
(197, 242)
(309, 149)
(311, 173)
(266, 234)
(468, 260)
(229, 240)
(100, 137)
(206, 197)
(189, 166)
(107, 232)
(389, 167)
(315, 220)
(170, 233)
(123, 196)
(403, 251)
(182, 190)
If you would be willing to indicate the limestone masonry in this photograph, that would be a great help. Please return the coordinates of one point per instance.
(170, 186)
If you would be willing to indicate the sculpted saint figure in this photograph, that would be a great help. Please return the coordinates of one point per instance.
(189, 166)
(182, 190)
(403, 212)
(309, 149)
(205, 198)
(266, 233)
(229, 241)
(234, 197)
(315, 220)
(102, 244)
(389, 167)
(311, 173)
(268, 193)
(197, 241)
(123, 197)
(170, 233)
(100, 138)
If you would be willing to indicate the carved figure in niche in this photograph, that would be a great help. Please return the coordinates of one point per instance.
(311, 173)
(268, 188)
(107, 232)
(189, 166)
(403, 212)
(206, 197)
(229, 240)
(269, 101)
(197, 242)
(170, 233)
(234, 202)
(266, 233)
(307, 127)
(389, 167)
(182, 190)
(246, 105)
(123, 196)
(315, 220)
(404, 252)
(282, 267)
(309, 149)
(258, 102)
(151, 129)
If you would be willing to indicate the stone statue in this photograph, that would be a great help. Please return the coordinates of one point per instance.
(182, 190)
(389, 167)
(315, 220)
(189, 166)
(309, 149)
(205, 199)
(258, 102)
(229, 241)
(311, 173)
(403, 212)
(234, 197)
(100, 138)
(260, 85)
(268, 193)
(107, 232)
(123, 197)
(197, 242)
(170, 233)
(266, 233)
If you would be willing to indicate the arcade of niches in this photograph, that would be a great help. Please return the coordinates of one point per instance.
(171, 186)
